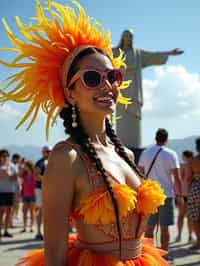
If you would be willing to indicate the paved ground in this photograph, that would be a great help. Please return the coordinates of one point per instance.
(12, 249)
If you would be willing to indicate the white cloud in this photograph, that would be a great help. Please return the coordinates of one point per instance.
(8, 112)
(173, 92)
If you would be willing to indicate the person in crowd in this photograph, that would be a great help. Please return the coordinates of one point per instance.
(186, 155)
(90, 179)
(161, 164)
(40, 167)
(22, 162)
(8, 177)
(15, 161)
(28, 193)
(193, 209)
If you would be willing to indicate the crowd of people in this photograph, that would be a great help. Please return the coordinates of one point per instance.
(20, 190)
(161, 163)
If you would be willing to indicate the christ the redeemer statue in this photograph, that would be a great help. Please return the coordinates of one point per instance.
(129, 126)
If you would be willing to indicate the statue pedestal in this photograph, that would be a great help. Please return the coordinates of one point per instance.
(128, 126)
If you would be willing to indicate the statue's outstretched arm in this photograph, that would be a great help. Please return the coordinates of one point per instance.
(176, 51)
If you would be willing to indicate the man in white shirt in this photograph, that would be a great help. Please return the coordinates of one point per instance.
(165, 170)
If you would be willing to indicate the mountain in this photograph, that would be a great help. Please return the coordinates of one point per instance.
(30, 152)
(34, 152)
(179, 145)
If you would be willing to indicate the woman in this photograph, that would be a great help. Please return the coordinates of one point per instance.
(186, 156)
(194, 194)
(28, 193)
(91, 179)
(7, 182)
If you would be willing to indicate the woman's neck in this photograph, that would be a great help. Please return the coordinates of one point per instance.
(96, 129)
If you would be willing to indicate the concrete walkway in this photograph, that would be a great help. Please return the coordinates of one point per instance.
(14, 248)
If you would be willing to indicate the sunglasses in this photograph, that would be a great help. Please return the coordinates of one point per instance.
(94, 78)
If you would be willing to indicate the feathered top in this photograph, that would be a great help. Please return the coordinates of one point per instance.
(97, 208)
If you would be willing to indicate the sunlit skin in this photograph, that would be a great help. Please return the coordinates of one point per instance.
(66, 174)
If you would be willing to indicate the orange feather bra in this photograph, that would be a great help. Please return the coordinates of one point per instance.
(97, 208)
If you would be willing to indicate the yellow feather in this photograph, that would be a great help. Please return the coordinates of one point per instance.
(34, 116)
(27, 114)
(10, 49)
(10, 34)
(22, 29)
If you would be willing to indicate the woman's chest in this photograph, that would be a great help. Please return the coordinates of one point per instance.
(108, 167)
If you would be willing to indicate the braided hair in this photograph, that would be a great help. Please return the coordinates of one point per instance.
(120, 148)
(80, 137)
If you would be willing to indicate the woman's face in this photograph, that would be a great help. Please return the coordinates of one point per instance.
(98, 100)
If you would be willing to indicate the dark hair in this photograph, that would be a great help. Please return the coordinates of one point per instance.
(79, 135)
(197, 142)
(187, 154)
(4, 151)
(161, 135)
(16, 156)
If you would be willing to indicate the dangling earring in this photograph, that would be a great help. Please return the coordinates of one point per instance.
(74, 122)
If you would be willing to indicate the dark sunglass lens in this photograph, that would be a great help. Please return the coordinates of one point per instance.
(92, 78)
(115, 75)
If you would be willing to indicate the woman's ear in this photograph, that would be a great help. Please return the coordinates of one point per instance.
(69, 95)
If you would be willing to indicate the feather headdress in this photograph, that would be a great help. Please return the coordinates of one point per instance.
(49, 41)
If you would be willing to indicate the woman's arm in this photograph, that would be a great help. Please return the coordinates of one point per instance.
(58, 190)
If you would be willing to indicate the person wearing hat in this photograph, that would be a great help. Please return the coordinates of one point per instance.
(90, 179)
(40, 167)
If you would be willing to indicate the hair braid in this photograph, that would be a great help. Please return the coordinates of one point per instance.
(120, 149)
(80, 137)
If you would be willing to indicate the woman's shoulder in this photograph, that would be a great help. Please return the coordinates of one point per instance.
(66, 154)
(62, 163)
(64, 149)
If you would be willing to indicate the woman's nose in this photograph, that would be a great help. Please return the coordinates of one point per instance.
(106, 84)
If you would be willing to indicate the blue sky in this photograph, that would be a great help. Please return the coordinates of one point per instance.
(172, 92)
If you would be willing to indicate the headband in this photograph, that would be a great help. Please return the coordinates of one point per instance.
(68, 62)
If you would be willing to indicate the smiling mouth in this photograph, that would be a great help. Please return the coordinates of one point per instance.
(105, 100)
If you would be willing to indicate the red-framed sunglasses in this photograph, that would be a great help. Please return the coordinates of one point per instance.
(94, 78)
